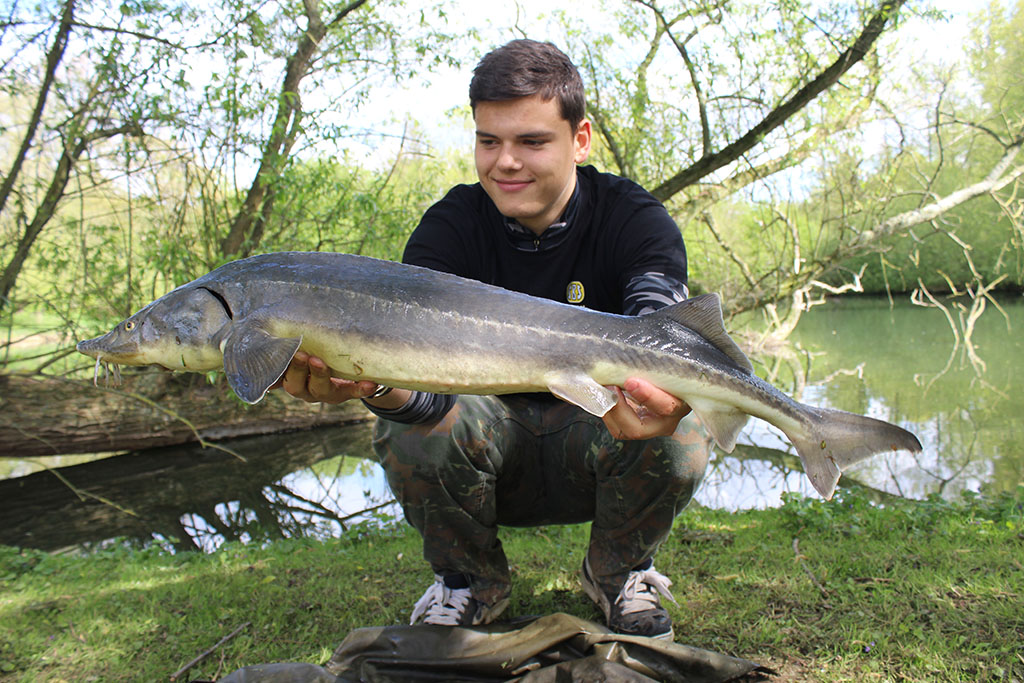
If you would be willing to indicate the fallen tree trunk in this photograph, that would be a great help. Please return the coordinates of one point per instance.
(140, 494)
(43, 416)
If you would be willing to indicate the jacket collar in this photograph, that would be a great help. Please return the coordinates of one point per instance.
(524, 239)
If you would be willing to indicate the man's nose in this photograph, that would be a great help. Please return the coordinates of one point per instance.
(507, 158)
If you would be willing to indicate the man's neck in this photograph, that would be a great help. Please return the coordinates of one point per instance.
(561, 218)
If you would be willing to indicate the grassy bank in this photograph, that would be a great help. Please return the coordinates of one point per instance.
(834, 591)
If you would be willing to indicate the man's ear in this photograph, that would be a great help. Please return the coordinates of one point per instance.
(582, 141)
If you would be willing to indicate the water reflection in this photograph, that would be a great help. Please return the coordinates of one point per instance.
(916, 373)
(895, 364)
(316, 483)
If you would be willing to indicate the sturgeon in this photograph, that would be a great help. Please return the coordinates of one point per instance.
(416, 328)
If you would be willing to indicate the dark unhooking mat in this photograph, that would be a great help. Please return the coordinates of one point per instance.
(553, 648)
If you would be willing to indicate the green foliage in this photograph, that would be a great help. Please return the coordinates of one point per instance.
(330, 207)
(142, 213)
(996, 58)
(979, 241)
(852, 512)
(149, 212)
(655, 107)
(670, 86)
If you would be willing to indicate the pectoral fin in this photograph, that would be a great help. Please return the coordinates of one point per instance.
(581, 390)
(254, 359)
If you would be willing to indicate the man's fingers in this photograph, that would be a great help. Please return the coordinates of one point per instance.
(319, 385)
(645, 413)
(622, 420)
(654, 400)
(309, 378)
(294, 379)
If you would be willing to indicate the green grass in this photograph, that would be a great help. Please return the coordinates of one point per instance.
(930, 591)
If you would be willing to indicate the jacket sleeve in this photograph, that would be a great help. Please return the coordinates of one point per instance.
(651, 291)
(421, 408)
(652, 261)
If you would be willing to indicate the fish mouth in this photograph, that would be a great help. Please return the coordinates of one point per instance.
(111, 369)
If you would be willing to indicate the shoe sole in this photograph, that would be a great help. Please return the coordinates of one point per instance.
(487, 615)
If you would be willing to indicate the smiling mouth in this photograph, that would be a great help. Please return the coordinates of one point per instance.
(511, 185)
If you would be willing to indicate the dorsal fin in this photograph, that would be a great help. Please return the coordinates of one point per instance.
(703, 315)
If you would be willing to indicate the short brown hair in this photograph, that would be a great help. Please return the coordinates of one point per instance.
(527, 67)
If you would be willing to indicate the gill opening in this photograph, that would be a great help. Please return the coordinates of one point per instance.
(223, 302)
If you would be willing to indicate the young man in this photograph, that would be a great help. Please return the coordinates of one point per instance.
(461, 466)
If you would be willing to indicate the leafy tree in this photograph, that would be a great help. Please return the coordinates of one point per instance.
(148, 142)
(177, 123)
(74, 112)
(717, 105)
(336, 207)
(972, 150)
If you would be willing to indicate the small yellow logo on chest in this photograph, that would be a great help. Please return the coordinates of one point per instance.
(574, 293)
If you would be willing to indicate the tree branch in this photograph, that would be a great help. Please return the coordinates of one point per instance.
(48, 206)
(730, 252)
(711, 193)
(702, 105)
(1001, 175)
(345, 11)
(53, 60)
(134, 34)
(710, 163)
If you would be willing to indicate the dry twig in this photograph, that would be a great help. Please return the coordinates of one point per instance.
(181, 672)
(807, 570)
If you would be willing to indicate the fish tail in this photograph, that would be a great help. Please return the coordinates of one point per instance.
(833, 440)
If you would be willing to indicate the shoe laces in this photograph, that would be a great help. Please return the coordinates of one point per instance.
(441, 605)
(637, 594)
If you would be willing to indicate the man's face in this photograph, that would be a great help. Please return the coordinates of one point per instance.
(526, 156)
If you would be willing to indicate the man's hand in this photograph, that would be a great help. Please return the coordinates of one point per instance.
(645, 413)
(309, 378)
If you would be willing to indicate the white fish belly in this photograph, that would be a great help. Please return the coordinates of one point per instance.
(448, 371)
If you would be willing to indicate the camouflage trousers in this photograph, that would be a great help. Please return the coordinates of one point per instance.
(524, 461)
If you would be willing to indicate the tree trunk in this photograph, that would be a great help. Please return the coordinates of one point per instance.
(140, 494)
(49, 416)
(247, 227)
(53, 60)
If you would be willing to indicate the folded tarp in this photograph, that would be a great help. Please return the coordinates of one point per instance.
(552, 648)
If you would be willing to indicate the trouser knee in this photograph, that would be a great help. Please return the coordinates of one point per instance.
(673, 464)
(425, 463)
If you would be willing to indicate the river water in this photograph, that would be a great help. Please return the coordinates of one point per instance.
(906, 364)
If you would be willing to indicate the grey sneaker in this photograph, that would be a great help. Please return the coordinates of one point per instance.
(636, 610)
(448, 602)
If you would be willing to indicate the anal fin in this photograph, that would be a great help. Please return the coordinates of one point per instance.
(722, 421)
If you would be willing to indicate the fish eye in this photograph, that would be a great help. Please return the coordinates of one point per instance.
(129, 326)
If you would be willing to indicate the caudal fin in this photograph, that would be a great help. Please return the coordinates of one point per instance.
(835, 439)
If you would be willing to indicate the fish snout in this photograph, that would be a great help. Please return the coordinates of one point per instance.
(90, 347)
(83, 347)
